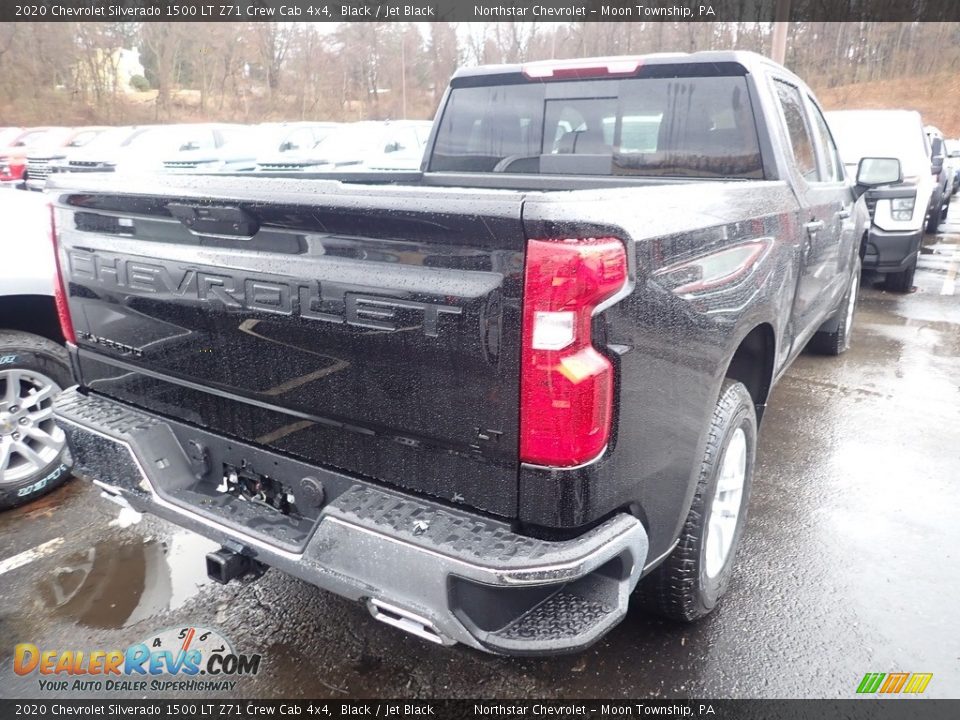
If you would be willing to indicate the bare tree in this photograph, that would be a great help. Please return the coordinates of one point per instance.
(273, 42)
(165, 43)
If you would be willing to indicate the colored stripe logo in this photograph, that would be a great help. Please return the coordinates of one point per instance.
(894, 683)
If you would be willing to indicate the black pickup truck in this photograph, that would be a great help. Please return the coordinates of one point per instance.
(492, 398)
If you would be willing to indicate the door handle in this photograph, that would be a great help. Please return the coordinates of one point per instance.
(813, 226)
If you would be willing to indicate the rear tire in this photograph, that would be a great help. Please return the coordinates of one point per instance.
(901, 282)
(838, 341)
(690, 582)
(33, 454)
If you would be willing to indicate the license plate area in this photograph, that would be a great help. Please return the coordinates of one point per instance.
(262, 494)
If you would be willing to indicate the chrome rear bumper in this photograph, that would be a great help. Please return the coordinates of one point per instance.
(438, 572)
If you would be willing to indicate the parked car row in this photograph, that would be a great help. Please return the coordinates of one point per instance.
(903, 210)
(952, 162)
(945, 185)
(29, 156)
(18, 144)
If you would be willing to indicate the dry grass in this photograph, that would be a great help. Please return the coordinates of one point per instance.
(935, 97)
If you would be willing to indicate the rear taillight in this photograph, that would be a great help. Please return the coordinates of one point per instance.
(13, 168)
(59, 290)
(566, 386)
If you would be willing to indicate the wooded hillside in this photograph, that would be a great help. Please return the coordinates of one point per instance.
(65, 73)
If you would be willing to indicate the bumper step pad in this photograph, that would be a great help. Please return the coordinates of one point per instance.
(564, 615)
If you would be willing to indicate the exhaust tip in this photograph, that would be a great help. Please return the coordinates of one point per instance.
(407, 621)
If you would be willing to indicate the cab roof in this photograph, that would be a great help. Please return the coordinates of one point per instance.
(713, 62)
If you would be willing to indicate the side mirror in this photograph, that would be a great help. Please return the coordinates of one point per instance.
(873, 171)
(936, 165)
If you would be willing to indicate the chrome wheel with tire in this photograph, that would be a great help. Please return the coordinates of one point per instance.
(725, 508)
(689, 583)
(29, 438)
(33, 453)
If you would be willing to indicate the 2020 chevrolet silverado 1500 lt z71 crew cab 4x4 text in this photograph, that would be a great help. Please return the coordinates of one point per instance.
(489, 398)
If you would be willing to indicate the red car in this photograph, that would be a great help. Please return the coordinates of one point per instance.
(13, 157)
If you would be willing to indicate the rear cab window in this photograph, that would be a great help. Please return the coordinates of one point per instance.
(684, 127)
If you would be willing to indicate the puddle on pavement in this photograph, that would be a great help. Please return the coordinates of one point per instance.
(118, 583)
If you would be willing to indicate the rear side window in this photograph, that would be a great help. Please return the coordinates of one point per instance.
(486, 126)
(831, 156)
(665, 127)
(797, 130)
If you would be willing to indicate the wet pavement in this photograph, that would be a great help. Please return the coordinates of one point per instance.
(850, 563)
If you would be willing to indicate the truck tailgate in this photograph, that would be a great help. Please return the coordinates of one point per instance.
(370, 329)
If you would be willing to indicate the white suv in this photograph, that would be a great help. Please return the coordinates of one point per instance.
(900, 211)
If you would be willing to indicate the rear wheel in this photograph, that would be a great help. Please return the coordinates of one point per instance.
(691, 581)
(835, 342)
(33, 370)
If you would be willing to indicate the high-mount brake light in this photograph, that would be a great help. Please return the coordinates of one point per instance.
(577, 70)
(59, 290)
(566, 385)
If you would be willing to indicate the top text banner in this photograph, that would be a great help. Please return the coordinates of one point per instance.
(479, 10)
